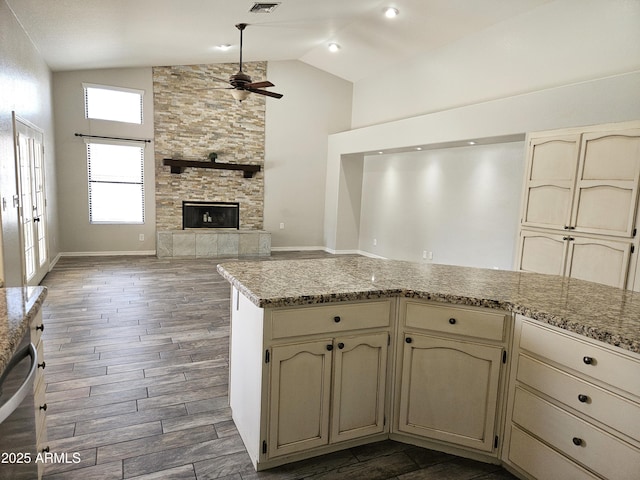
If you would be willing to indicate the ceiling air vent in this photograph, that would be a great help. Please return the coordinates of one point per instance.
(264, 7)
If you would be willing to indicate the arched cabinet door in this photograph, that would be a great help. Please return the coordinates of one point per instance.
(360, 368)
(300, 392)
(449, 390)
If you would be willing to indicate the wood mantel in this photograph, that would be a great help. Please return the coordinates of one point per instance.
(178, 166)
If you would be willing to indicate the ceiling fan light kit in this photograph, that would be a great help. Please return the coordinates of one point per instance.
(391, 12)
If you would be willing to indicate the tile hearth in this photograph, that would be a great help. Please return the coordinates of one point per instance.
(212, 243)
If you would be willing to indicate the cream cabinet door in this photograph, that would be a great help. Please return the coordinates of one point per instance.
(542, 252)
(600, 261)
(449, 390)
(360, 368)
(552, 162)
(607, 183)
(300, 390)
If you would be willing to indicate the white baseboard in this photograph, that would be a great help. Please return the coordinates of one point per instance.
(328, 250)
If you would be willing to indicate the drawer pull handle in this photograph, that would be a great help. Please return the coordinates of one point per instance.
(588, 360)
(329, 347)
(452, 321)
(341, 345)
(40, 327)
(43, 407)
(577, 441)
(42, 365)
(336, 319)
(408, 340)
(583, 398)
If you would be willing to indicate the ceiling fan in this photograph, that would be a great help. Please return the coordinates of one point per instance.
(241, 84)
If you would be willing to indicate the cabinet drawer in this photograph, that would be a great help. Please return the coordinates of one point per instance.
(541, 461)
(579, 440)
(330, 318)
(612, 410)
(480, 322)
(600, 363)
(36, 328)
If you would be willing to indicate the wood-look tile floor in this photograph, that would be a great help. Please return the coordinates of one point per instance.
(136, 352)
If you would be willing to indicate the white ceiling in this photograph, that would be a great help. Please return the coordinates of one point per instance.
(89, 34)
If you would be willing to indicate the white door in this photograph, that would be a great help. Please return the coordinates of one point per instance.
(29, 146)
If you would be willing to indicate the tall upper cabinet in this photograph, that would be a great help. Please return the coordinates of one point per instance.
(580, 203)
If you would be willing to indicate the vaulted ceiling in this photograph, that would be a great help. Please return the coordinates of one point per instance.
(90, 34)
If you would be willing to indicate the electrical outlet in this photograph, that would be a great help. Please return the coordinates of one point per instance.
(424, 254)
(375, 242)
(282, 226)
(430, 255)
(141, 237)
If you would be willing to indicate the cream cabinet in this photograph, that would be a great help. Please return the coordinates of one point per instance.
(449, 374)
(574, 406)
(589, 258)
(326, 391)
(36, 328)
(320, 383)
(580, 200)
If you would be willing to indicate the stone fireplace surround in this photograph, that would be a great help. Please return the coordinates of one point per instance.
(190, 122)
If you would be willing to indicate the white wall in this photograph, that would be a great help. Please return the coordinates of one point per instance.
(315, 105)
(610, 99)
(559, 43)
(25, 87)
(78, 236)
(461, 204)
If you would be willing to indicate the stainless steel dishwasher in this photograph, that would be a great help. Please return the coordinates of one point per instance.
(17, 418)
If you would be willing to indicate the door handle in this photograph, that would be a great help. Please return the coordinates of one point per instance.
(25, 389)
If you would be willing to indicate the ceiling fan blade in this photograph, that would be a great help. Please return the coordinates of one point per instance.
(263, 84)
(265, 92)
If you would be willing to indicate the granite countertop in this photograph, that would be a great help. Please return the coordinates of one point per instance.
(18, 305)
(604, 313)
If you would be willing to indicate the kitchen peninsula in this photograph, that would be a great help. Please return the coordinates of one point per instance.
(330, 353)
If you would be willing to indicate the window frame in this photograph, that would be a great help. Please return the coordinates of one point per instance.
(136, 91)
(90, 181)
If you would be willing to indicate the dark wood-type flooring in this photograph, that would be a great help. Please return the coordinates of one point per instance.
(136, 352)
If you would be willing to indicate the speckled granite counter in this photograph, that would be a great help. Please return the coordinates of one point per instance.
(596, 311)
(17, 307)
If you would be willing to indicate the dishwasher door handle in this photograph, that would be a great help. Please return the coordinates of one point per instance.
(8, 407)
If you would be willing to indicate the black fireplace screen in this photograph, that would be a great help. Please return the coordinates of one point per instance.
(210, 215)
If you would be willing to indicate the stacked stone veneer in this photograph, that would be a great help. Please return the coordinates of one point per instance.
(194, 117)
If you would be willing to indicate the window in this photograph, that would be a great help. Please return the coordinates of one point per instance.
(112, 103)
(116, 190)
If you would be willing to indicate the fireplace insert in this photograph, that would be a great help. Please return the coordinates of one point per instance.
(210, 215)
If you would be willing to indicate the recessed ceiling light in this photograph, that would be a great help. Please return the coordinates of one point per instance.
(224, 47)
(471, 143)
(418, 148)
(334, 47)
(380, 153)
(391, 12)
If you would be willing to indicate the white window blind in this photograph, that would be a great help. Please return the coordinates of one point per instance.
(113, 103)
(116, 183)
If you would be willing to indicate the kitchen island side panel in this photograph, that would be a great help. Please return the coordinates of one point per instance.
(246, 371)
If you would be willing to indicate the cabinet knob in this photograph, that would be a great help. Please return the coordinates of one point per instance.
(336, 319)
(46, 449)
(577, 441)
(341, 345)
(329, 347)
(566, 227)
(43, 407)
(40, 327)
(583, 398)
(588, 360)
(408, 339)
(452, 321)
(42, 365)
